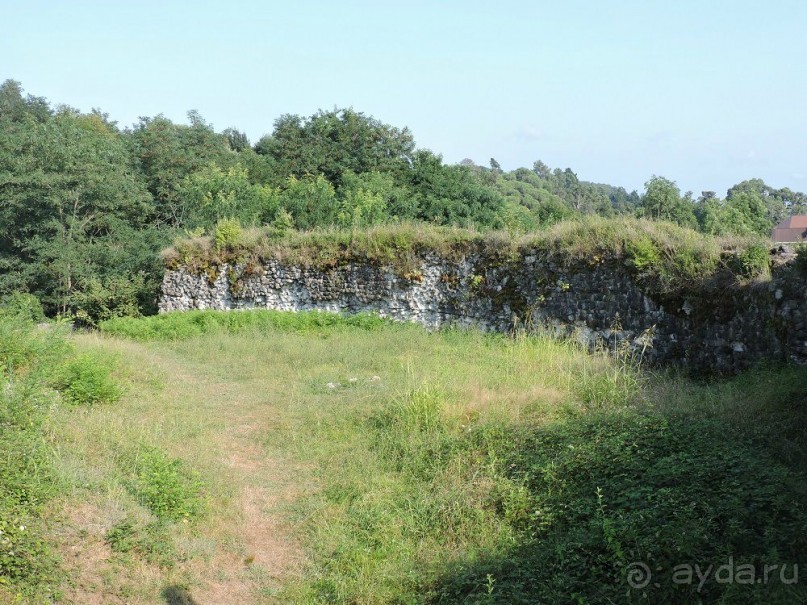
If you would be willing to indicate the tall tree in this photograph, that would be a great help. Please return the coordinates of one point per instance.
(662, 201)
(69, 199)
(167, 153)
(334, 142)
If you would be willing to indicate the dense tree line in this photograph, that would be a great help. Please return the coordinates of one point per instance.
(85, 206)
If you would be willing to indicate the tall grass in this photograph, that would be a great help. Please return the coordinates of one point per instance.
(38, 370)
(666, 255)
(180, 326)
(461, 467)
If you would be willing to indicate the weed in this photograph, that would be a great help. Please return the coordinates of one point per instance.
(534, 472)
(87, 380)
(754, 261)
(164, 486)
(28, 356)
(148, 540)
(227, 234)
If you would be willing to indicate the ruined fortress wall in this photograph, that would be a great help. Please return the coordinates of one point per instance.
(720, 330)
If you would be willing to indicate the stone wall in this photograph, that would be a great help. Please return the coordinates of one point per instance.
(720, 328)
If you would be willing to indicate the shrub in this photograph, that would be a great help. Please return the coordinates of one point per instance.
(227, 234)
(25, 556)
(282, 223)
(605, 490)
(116, 296)
(164, 486)
(754, 261)
(27, 358)
(23, 305)
(643, 254)
(87, 380)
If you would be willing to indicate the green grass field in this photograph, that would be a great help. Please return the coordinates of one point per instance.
(284, 458)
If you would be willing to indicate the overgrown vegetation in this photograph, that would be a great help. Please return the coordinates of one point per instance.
(87, 205)
(664, 256)
(459, 467)
(164, 486)
(451, 467)
(38, 369)
(179, 326)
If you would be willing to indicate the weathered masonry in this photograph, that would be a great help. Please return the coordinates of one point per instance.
(722, 328)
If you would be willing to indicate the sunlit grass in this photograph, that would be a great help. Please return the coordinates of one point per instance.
(381, 463)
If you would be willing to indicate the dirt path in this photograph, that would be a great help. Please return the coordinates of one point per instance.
(243, 548)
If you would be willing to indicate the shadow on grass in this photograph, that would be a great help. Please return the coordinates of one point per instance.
(177, 595)
(615, 496)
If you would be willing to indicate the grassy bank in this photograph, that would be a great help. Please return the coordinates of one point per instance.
(292, 459)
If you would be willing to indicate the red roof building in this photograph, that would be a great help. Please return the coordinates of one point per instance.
(791, 230)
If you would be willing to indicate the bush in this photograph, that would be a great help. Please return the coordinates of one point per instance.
(87, 380)
(643, 255)
(754, 261)
(610, 489)
(27, 358)
(99, 300)
(150, 541)
(25, 306)
(227, 234)
(25, 556)
(164, 486)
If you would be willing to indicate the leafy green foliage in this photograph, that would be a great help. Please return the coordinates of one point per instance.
(451, 195)
(212, 194)
(151, 541)
(227, 234)
(165, 486)
(71, 206)
(662, 201)
(31, 359)
(87, 379)
(112, 296)
(643, 254)
(332, 143)
(609, 490)
(311, 201)
(167, 154)
(754, 261)
(26, 306)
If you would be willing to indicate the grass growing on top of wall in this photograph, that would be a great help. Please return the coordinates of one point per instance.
(664, 254)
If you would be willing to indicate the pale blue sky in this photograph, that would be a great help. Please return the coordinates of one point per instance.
(705, 92)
